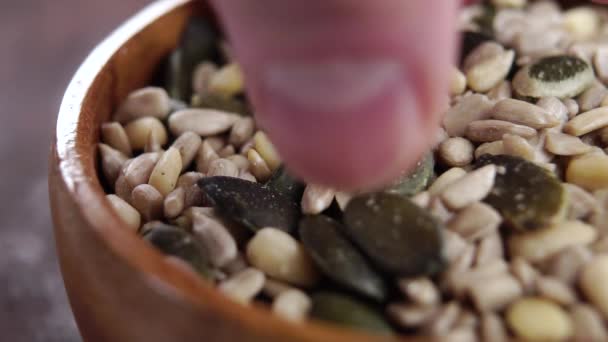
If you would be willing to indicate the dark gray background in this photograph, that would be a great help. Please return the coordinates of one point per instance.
(42, 44)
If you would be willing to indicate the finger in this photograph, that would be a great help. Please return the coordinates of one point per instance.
(347, 90)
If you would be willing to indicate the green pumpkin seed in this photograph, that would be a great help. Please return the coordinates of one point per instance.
(198, 43)
(560, 76)
(175, 241)
(287, 184)
(233, 105)
(347, 311)
(527, 196)
(251, 204)
(397, 235)
(338, 258)
(416, 180)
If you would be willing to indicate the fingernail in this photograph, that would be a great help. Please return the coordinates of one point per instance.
(332, 86)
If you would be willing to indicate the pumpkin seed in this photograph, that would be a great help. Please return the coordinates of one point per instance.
(338, 258)
(527, 196)
(560, 76)
(198, 43)
(416, 180)
(215, 101)
(175, 241)
(347, 311)
(396, 234)
(282, 181)
(251, 204)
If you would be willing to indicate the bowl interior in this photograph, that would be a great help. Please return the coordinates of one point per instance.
(105, 264)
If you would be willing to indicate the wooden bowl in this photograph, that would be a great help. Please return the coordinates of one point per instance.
(120, 288)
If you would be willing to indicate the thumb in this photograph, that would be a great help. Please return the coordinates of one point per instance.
(348, 90)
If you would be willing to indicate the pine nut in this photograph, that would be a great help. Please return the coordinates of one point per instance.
(148, 201)
(588, 324)
(144, 102)
(267, 151)
(139, 130)
(204, 122)
(587, 122)
(471, 188)
(590, 172)
(456, 151)
(280, 256)
(535, 319)
(227, 81)
(445, 179)
(241, 131)
(592, 97)
(565, 145)
(173, 204)
(492, 130)
(492, 328)
(113, 134)
(555, 290)
(138, 171)
(111, 162)
(258, 166)
(475, 221)
(241, 162)
(500, 91)
(216, 239)
(421, 291)
(523, 113)
(490, 71)
(471, 108)
(540, 244)
(495, 293)
(316, 198)
(125, 211)
(206, 154)
(566, 265)
(223, 167)
(292, 305)
(593, 281)
(489, 249)
(243, 286)
(493, 148)
(167, 170)
(514, 145)
(411, 316)
(458, 82)
(188, 145)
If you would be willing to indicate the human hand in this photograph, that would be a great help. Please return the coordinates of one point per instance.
(349, 91)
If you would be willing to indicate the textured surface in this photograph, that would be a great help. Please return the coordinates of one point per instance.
(43, 44)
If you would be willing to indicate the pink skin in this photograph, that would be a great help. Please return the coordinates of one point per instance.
(349, 91)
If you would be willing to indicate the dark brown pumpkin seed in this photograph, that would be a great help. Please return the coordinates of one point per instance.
(338, 258)
(347, 311)
(251, 204)
(199, 42)
(527, 196)
(284, 182)
(177, 242)
(416, 180)
(232, 105)
(397, 235)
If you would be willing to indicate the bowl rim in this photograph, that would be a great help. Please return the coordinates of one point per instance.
(88, 195)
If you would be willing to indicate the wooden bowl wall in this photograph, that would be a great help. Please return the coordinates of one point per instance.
(120, 288)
